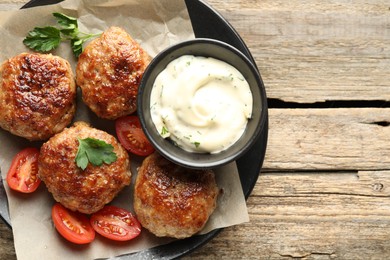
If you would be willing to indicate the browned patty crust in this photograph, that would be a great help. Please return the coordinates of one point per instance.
(37, 95)
(109, 71)
(173, 201)
(87, 190)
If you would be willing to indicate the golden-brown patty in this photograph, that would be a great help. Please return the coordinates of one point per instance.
(173, 201)
(109, 71)
(37, 95)
(87, 190)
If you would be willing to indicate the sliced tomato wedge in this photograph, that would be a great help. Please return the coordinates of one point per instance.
(23, 173)
(73, 226)
(131, 136)
(115, 223)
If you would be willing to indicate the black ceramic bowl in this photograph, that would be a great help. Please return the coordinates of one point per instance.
(207, 48)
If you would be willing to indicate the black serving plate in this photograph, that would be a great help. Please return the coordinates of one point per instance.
(207, 23)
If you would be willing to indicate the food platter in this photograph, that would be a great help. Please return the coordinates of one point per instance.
(249, 165)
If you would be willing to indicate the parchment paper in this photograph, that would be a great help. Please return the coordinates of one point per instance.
(155, 25)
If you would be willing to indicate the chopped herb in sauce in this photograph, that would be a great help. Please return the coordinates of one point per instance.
(207, 91)
(164, 131)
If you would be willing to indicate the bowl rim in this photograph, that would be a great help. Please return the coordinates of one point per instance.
(194, 163)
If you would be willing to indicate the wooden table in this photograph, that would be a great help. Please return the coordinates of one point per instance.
(324, 191)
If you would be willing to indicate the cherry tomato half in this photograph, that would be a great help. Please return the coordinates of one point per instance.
(23, 173)
(115, 223)
(130, 135)
(73, 226)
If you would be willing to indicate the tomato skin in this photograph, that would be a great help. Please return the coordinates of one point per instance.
(115, 223)
(130, 135)
(73, 226)
(23, 173)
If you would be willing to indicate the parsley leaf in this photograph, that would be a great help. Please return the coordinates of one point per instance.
(44, 39)
(66, 22)
(77, 46)
(94, 151)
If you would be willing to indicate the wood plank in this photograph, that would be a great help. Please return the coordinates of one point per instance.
(311, 51)
(338, 139)
(7, 249)
(316, 51)
(374, 6)
(280, 200)
(304, 215)
(312, 216)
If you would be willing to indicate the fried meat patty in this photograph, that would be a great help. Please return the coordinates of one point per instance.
(109, 71)
(37, 95)
(87, 190)
(172, 201)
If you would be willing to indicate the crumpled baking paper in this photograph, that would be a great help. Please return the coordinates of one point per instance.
(155, 25)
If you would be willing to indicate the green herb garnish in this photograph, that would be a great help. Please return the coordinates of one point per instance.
(196, 144)
(94, 151)
(44, 39)
(164, 131)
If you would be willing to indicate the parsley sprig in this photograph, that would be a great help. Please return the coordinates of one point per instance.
(94, 151)
(44, 39)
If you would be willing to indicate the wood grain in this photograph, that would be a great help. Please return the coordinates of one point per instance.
(290, 209)
(324, 192)
(326, 139)
(7, 250)
(339, 215)
(311, 51)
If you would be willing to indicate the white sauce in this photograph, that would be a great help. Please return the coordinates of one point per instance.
(202, 104)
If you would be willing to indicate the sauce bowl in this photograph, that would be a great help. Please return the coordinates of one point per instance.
(206, 48)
